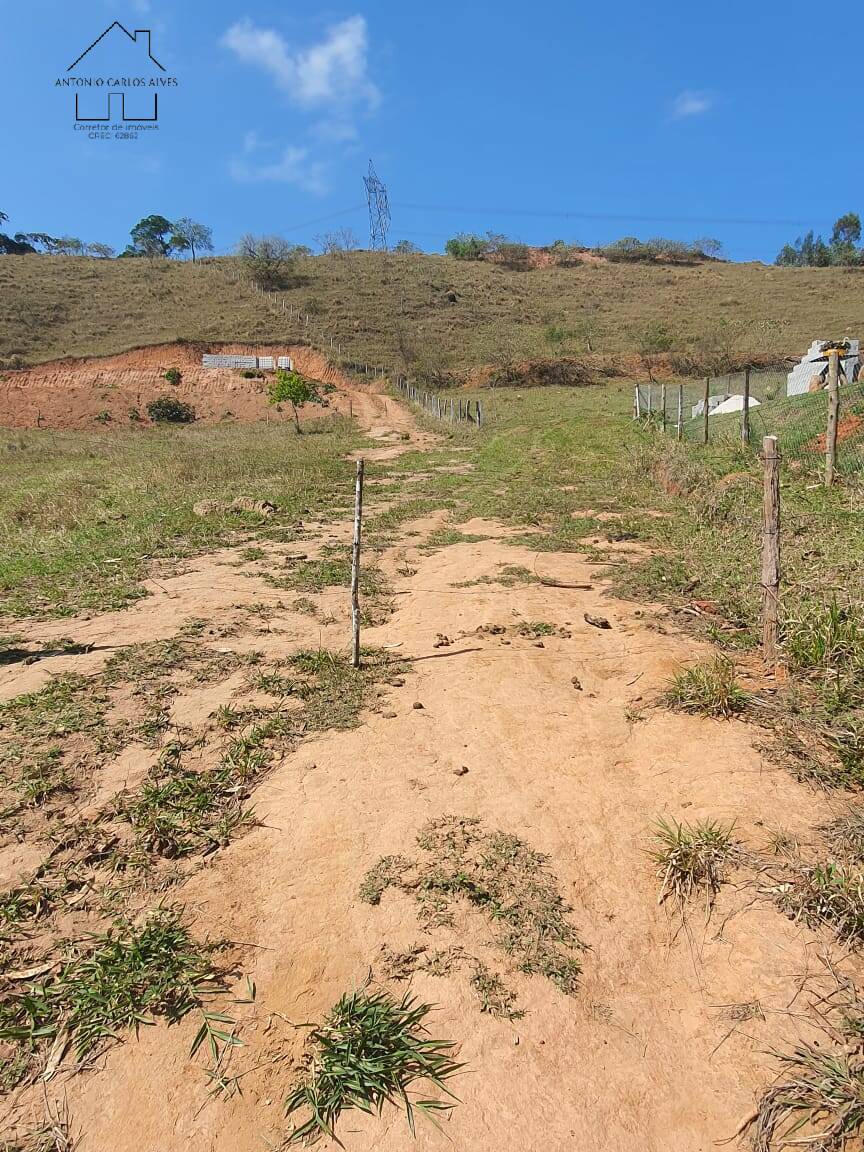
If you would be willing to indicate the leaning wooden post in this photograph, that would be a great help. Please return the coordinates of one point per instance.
(770, 549)
(833, 414)
(679, 433)
(745, 411)
(705, 413)
(355, 568)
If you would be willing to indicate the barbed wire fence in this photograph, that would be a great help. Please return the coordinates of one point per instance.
(322, 338)
(712, 411)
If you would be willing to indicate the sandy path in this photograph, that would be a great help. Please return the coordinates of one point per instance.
(643, 1055)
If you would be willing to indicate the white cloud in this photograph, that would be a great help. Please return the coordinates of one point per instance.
(292, 166)
(331, 73)
(689, 103)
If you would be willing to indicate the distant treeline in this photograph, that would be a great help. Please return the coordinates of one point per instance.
(812, 251)
(152, 236)
(501, 249)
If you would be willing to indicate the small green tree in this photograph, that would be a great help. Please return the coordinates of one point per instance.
(294, 389)
(189, 236)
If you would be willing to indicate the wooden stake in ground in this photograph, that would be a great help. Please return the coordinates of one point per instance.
(770, 549)
(637, 407)
(663, 406)
(679, 433)
(355, 568)
(833, 414)
(705, 413)
(745, 411)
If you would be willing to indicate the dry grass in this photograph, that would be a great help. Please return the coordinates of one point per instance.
(818, 1103)
(692, 858)
(376, 303)
(845, 834)
(829, 895)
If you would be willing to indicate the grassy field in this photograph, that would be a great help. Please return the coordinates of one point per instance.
(396, 310)
(82, 515)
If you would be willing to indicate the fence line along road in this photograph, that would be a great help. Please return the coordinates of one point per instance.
(745, 407)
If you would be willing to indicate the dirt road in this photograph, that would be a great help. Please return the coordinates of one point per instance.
(538, 732)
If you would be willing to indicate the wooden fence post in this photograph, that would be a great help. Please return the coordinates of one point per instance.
(479, 415)
(355, 568)
(637, 407)
(770, 549)
(745, 411)
(663, 406)
(833, 414)
(649, 403)
(679, 433)
(705, 413)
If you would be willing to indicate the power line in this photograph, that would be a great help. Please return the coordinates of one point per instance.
(619, 217)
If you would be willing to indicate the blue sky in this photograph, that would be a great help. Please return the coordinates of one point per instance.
(674, 119)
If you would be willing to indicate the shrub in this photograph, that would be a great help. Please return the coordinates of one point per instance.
(466, 246)
(173, 376)
(252, 374)
(103, 417)
(514, 255)
(168, 410)
(269, 261)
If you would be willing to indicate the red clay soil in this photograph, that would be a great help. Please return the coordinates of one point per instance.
(847, 429)
(73, 393)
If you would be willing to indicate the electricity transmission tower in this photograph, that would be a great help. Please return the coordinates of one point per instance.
(379, 210)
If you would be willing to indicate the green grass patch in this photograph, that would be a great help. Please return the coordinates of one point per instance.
(371, 1050)
(107, 985)
(85, 513)
(502, 877)
(708, 689)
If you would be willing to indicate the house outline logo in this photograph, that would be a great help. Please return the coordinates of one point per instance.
(121, 97)
(133, 36)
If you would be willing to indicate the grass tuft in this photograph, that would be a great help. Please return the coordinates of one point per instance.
(708, 689)
(108, 984)
(845, 834)
(818, 1104)
(691, 858)
(369, 1051)
(828, 894)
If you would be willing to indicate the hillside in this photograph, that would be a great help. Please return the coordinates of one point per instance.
(394, 309)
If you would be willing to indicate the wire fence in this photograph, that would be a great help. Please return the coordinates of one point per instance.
(799, 422)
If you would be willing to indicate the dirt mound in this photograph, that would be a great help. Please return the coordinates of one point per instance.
(115, 390)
